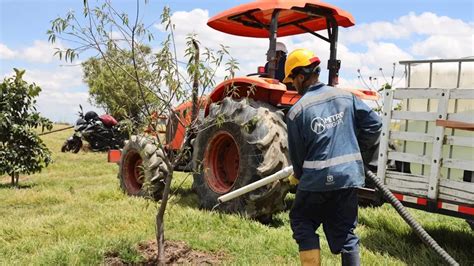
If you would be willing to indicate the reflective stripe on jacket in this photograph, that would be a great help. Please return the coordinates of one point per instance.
(325, 129)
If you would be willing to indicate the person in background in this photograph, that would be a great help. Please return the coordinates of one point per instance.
(281, 52)
(327, 128)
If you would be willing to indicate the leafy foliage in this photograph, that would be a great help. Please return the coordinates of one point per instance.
(21, 149)
(111, 88)
(122, 59)
(386, 86)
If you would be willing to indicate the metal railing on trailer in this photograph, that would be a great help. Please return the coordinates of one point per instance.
(435, 133)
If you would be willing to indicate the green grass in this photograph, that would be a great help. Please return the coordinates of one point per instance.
(74, 213)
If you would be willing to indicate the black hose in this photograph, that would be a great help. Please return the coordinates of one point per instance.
(425, 237)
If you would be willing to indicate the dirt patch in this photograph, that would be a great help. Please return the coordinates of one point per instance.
(176, 252)
(86, 147)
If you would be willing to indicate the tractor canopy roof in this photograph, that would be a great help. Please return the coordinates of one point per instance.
(295, 17)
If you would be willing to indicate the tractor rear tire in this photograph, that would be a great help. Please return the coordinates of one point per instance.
(142, 168)
(240, 142)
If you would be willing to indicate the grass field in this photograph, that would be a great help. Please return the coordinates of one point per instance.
(74, 213)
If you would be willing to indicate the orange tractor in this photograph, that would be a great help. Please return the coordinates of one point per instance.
(250, 142)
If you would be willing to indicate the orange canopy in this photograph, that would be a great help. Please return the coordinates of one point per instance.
(253, 19)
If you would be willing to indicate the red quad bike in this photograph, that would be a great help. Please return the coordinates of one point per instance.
(251, 143)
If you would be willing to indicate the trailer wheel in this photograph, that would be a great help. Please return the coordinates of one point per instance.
(239, 143)
(142, 168)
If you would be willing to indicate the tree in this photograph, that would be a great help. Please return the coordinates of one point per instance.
(157, 75)
(21, 149)
(388, 84)
(119, 96)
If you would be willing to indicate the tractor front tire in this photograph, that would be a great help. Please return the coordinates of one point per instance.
(142, 168)
(240, 142)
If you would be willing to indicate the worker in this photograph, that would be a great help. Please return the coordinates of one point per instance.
(281, 52)
(327, 128)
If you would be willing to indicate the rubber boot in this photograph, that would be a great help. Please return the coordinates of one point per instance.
(310, 257)
(350, 258)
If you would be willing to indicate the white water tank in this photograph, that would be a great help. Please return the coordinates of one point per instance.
(439, 74)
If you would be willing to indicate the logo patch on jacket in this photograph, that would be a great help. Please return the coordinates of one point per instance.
(329, 180)
(319, 125)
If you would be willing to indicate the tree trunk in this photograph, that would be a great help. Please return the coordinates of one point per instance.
(15, 178)
(160, 222)
(195, 92)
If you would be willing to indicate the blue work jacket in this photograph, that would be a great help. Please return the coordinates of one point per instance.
(325, 129)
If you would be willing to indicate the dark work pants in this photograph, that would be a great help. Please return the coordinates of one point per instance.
(336, 211)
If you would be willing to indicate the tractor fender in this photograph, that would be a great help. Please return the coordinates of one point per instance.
(270, 91)
(257, 88)
(260, 89)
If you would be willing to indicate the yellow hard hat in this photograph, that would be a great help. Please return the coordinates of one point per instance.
(298, 58)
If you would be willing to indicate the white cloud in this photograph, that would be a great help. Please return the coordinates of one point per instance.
(56, 79)
(383, 54)
(429, 23)
(374, 31)
(63, 106)
(5, 52)
(447, 37)
(444, 46)
(441, 36)
(405, 27)
(62, 92)
(39, 52)
(375, 66)
(250, 52)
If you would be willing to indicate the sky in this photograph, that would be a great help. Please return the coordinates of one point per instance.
(385, 32)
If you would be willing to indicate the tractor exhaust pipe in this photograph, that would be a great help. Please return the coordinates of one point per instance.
(285, 172)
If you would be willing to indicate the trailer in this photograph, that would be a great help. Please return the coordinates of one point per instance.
(434, 131)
